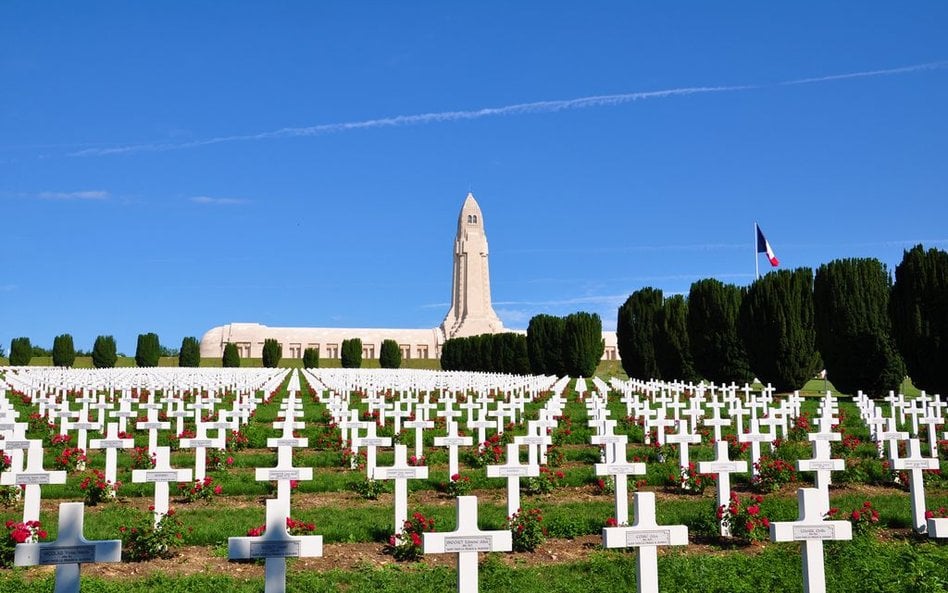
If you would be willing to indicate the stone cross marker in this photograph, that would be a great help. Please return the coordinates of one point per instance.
(32, 477)
(723, 467)
(466, 541)
(915, 464)
(161, 475)
(111, 443)
(201, 443)
(70, 549)
(452, 441)
(513, 470)
(371, 441)
(646, 535)
(275, 546)
(620, 469)
(401, 472)
(284, 472)
(811, 529)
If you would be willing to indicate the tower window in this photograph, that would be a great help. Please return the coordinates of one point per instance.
(474, 217)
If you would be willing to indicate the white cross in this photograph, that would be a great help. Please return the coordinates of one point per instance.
(161, 475)
(723, 467)
(284, 472)
(452, 441)
(275, 546)
(69, 550)
(755, 438)
(620, 469)
(32, 477)
(400, 472)
(201, 443)
(513, 470)
(646, 535)
(811, 529)
(371, 442)
(111, 443)
(915, 464)
(152, 425)
(466, 541)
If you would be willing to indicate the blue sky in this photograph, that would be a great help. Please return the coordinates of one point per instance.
(171, 167)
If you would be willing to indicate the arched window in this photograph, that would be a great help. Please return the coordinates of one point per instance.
(470, 219)
(474, 216)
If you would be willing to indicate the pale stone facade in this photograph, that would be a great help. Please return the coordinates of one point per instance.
(470, 313)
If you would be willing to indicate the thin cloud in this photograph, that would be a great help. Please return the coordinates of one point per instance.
(516, 109)
(218, 201)
(74, 195)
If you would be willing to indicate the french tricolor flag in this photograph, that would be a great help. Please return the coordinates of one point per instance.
(764, 247)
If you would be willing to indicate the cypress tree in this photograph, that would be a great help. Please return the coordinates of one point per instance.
(390, 355)
(148, 350)
(351, 353)
(919, 312)
(635, 333)
(582, 344)
(776, 326)
(544, 343)
(64, 351)
(21, 351)
(672, 347)
(716, 348)
(311, 358)
(104, 353)
(190, 353)
(272, 353)
(231, 358)
(853, 329)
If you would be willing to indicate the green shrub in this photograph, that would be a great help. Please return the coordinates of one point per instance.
(390, 355)
(272, 353)
(64, 351)
(231, 358)
(311, 358)
(351, 353)
(190, 353)
(104, 353)
(21, 352)
(148, 350)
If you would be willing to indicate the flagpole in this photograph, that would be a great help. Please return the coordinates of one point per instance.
(756, 254)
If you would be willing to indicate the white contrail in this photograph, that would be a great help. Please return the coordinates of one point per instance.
(518, 109)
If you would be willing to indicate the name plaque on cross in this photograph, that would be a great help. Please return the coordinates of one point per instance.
(32, 478)
(714, 468)
(159, 476)
(622, 469)
(107, 444)
(150, 425)
(467, 544)
(374, 442)
(807, 532)
(657, 537)
(401, 474)
(821, 465)
(84, 426)
(275, 549)
(283, 442)
(67, 555)
(15, 445)
(824, 436)
(453, 441)
(507, 472)
(284, 474)
(194, 443)
(915, 463)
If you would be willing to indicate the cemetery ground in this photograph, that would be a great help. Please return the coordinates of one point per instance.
(886, 555)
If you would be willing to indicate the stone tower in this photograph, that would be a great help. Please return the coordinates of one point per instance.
(471, 312)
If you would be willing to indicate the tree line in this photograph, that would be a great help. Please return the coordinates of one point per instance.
(848, 318)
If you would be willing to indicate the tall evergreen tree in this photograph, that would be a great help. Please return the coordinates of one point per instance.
(390, 355)
(544, 342)
(582, 344)
(231, 358)
(351, 353)
(311, 358)
(272, 353)
(104, 352)
(716, 348)
(148, 350)
(777, 328)
(190, 353)
(64, 351)
(21, 351)
(672, 347)
(919, 313)
(853, 329)
(635, 333)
